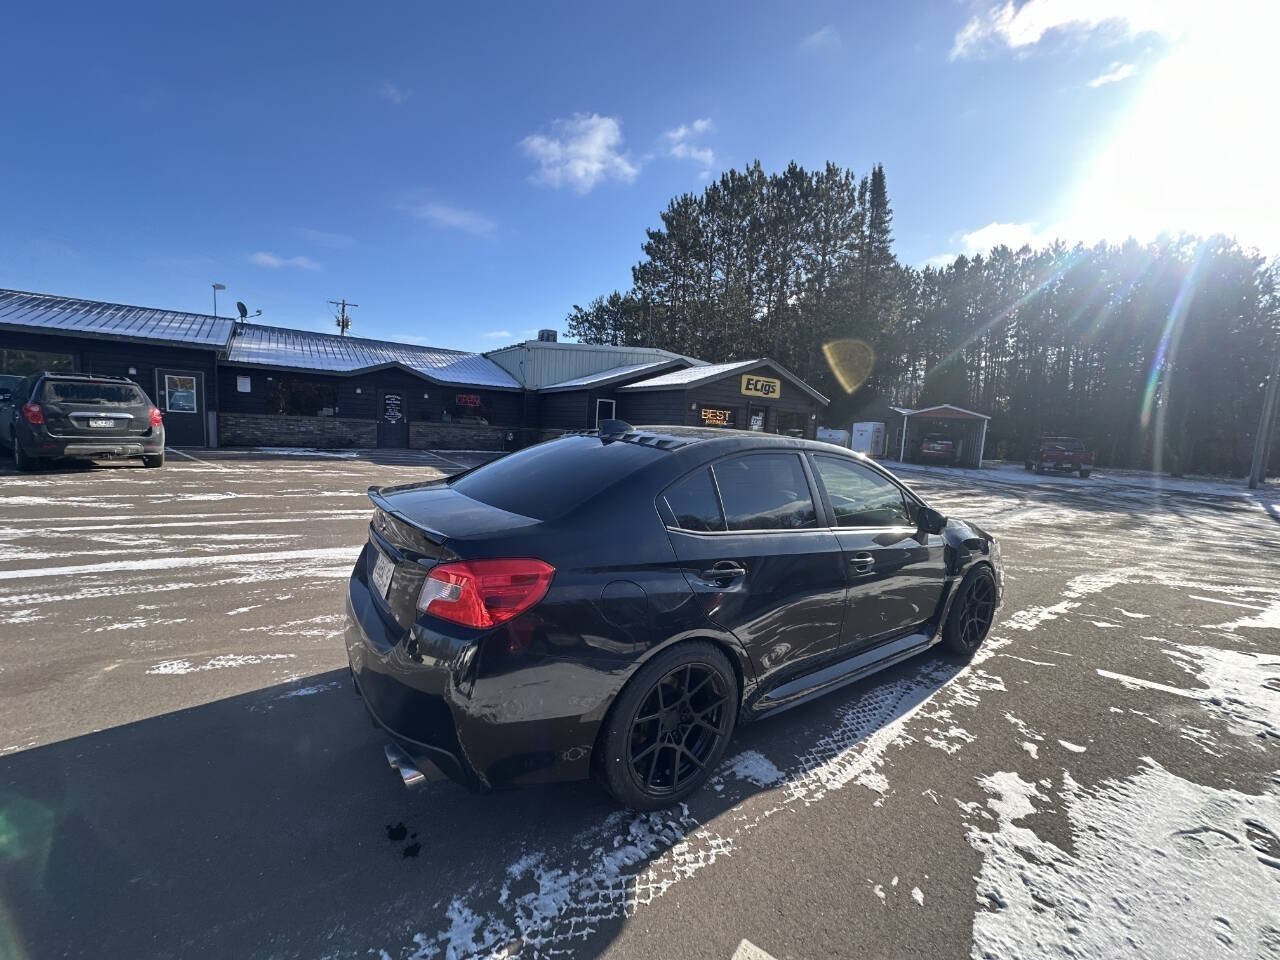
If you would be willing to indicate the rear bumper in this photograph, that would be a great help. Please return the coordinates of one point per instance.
(505, 721)
(38, 442)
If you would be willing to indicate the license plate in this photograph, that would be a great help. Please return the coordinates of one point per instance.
(102, 422)
(382, 571)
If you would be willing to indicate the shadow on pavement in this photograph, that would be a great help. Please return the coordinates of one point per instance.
(269, 825)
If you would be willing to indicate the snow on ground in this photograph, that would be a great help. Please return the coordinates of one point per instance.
(1108, 480)
(1159, 867)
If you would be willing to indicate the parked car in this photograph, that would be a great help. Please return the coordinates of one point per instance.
(938, 447)
(66, 416)
(616, 603)
(1060, 453)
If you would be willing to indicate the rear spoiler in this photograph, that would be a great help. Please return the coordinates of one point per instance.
(383, 504)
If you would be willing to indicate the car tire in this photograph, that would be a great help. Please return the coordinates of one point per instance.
(1084, 474)
(152, 462)
(972, 613)
(643, 756)
(20, 458)
(1039, 468)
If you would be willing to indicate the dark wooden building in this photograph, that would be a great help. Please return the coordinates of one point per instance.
(745, 395)
(225, 383)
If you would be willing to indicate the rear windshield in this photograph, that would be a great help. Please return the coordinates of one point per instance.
(548, 480)
(81, 391)
(1064, 443)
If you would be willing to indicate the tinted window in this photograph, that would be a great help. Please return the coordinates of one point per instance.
(861, 497)
(692, 503)
(765, 491)
(550, 479)
(81, 391)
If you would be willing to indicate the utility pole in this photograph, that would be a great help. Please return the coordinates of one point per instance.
(1266, 423)
(343, 321)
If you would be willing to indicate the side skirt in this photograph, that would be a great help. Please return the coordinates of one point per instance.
(802, 689)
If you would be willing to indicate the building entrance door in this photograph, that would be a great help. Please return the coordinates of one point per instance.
(181, 400)
(393, 424)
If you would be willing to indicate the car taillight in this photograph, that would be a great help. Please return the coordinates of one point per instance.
(484, 593)
(34, 413)
(156, 417)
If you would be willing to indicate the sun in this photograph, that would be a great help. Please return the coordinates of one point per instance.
(1199, 149)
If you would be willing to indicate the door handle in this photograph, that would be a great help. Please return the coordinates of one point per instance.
(862, 562)
(724, 570)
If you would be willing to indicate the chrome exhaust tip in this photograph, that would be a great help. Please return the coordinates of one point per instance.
(403, 764)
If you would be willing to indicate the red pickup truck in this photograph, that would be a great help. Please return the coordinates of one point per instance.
(1060, 453)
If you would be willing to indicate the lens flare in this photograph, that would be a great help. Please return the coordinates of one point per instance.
(1166, 356)
(850, 360)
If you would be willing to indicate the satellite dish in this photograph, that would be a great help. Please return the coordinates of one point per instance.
(244, 311)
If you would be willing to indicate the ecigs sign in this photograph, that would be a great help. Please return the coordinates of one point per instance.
(757, 386)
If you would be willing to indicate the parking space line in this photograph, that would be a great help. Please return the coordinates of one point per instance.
(206, 463)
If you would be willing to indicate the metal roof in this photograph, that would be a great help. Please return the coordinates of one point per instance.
(612, 375)
(684, 379)
(67, 315)
(952, 412)
(541, 363)
(281, 347)
(689, 376)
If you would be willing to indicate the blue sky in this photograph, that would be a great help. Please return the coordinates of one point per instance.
(466, 173)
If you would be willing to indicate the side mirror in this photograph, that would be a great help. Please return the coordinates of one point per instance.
(930, 520)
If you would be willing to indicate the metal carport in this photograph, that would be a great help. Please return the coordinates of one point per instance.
(966, 428)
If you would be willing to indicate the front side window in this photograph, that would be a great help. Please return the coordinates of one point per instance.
(692, 503)
(765, 491)
(859, 496)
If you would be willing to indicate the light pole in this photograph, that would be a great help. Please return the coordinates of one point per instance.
(216, 288)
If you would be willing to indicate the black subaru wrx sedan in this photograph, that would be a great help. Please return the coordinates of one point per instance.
(614, 603)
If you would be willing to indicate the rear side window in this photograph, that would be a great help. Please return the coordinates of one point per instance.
(860, 497)
(765, 491)
(550, 479)
(80, 391)
(692, 503)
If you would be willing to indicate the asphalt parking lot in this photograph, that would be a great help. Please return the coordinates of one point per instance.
(184, 770)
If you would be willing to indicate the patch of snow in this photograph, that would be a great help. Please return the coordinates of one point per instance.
(1267, 619)
(1031, 748)
(1133, 616)
(309, 691)
(754, 767)
(221, 662)
(1160, 866)
(1074, 748)
(1104, 624)
(917, 895)
(308, 452)
(173, 563)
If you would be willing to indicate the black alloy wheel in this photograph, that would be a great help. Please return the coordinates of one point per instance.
(972, 614)
(669, 727)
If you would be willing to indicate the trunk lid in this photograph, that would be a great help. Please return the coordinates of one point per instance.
(417, 526)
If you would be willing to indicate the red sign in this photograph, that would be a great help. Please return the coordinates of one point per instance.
(467, 399)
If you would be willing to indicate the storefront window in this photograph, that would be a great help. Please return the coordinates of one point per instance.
(792, 424)
(23, 363)
(302, 398)
(469, 408)
(718, 416)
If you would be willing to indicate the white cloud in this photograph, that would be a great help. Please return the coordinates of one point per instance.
(1114, 74)
(264, 258)
(393, 93)
(497, 334)
(324, 238)
(453, 218)
(582, 151)
(679, 143)
(1019, 27)
(1000, 234)
(824, 38)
